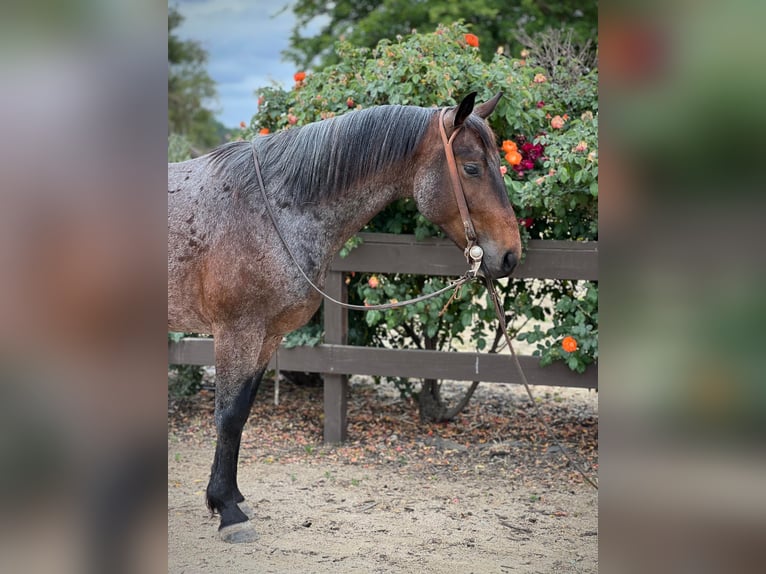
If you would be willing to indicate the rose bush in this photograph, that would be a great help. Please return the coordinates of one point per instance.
(547, 136)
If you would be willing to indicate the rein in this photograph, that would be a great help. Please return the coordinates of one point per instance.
(552, 435)
(473, 253)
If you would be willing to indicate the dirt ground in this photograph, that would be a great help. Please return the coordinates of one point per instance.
(486, 493)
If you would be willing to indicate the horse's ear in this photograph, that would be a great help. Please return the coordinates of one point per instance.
(485, 109)
(464, 109)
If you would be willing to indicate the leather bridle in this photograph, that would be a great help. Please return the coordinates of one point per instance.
(473, 252)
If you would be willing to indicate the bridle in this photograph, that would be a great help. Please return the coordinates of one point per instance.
(473, 252)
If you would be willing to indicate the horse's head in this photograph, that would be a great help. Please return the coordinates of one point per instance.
(477, 178)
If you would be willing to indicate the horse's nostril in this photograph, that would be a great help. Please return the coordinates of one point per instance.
(509, 262)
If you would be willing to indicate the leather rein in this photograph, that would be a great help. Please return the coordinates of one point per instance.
(473, 252)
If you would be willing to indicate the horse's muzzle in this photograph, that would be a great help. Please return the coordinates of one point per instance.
(510, 261)
(503, 269)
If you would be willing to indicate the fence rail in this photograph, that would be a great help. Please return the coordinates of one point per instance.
(387, 253)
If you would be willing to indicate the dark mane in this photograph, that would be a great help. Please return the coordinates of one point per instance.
(313, 161)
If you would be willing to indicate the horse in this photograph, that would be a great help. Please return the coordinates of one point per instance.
(231, 275)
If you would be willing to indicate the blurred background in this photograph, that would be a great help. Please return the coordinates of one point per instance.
(85, 116)
(682, 395)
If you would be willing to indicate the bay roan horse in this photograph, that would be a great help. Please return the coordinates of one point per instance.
(230, 275)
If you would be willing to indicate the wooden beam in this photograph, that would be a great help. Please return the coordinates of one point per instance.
(347, 360)
(389, 253)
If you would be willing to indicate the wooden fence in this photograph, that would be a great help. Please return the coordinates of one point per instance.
(387, 253)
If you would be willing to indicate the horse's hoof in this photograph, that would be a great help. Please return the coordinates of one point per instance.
(239, 533)
(247, 509)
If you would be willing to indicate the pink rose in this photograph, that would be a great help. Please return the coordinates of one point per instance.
(557, 122)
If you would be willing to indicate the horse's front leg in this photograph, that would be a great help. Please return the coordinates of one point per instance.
(237, 378)
(241, 358)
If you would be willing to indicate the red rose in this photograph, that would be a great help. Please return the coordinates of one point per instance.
(472, 40)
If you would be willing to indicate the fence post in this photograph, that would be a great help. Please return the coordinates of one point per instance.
(335, 386)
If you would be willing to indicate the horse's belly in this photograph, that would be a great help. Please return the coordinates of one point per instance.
(181, 320)
(184, 313)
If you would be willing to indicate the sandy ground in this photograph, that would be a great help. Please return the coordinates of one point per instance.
(323, 514)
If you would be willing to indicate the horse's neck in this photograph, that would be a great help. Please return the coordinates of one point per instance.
(325, 226)
(348, 213)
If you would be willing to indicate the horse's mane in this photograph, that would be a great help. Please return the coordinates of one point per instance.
(318, 158)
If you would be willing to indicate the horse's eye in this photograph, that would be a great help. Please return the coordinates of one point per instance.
(471, 169)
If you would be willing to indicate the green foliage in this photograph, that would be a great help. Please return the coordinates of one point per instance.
(308, 336)
(574, 314)
(554, 190)
(364, 23)
(179, 148)
(190, 89)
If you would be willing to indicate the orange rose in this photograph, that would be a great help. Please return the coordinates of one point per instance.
(472, 40)
(513, 157)
(243, 125)
(569, 344)
(539, 79)
(557, 122)
(509, 146)
(263, 131)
